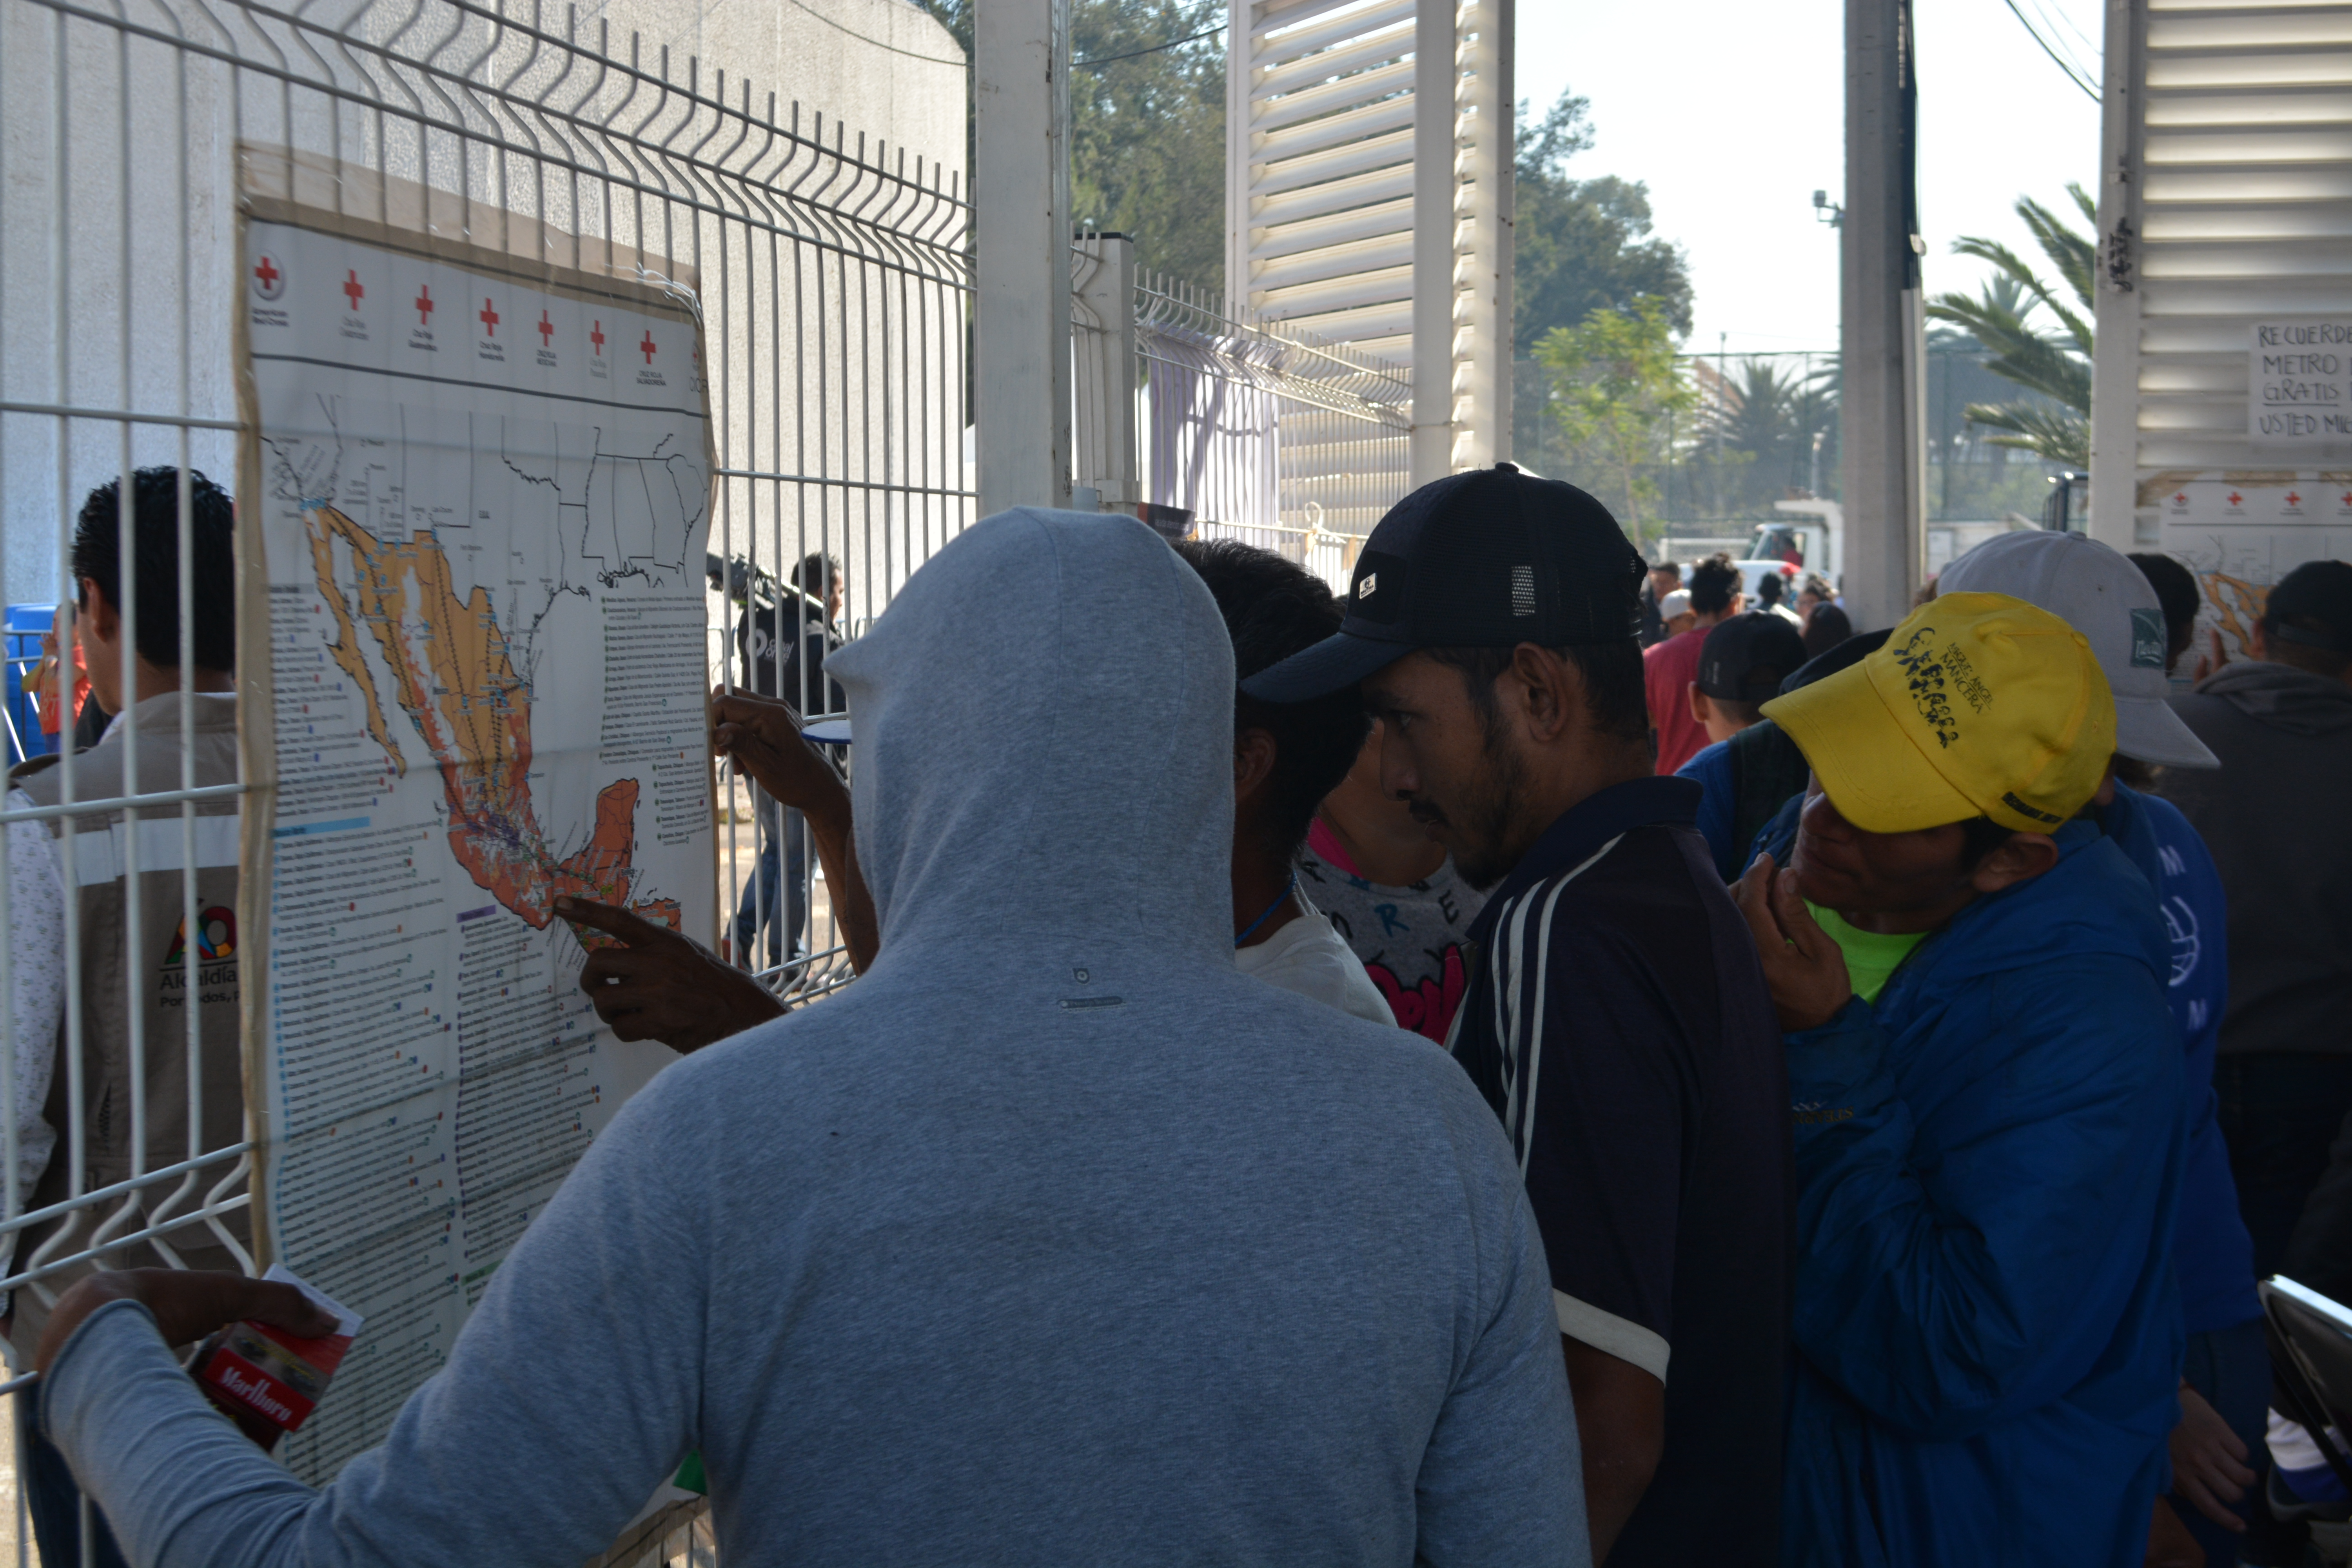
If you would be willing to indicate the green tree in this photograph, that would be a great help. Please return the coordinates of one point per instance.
(1146, 126)
(1615, 384)
(2002, 317)
(1581, 246)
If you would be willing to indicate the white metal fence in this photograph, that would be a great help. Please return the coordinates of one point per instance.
(834, 281)
(1259, 431)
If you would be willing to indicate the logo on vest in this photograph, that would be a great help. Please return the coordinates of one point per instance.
(216, 959)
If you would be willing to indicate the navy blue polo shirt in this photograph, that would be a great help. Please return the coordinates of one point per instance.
(1618, 1023)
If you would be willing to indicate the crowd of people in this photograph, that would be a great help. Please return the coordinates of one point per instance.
(1530, 1060)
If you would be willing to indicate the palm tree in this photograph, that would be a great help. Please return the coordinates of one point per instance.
(2056, 365)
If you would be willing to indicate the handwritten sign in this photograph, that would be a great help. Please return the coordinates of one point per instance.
(2299, 382)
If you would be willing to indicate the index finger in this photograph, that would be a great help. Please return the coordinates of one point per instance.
(1753, 894)
(613, 921)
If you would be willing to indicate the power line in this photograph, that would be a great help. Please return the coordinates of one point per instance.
(1136, 54)
(2074, 73)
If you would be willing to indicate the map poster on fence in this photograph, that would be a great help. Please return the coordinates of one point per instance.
(474, 503)
(2240, 531)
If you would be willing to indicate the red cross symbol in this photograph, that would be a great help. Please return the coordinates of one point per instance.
(2235, 498)
(351, 290)
(424, 305)
(597, 337)
(647, 348)
(2293, 498)
(2348, 497)
(2180, 498)
(489, 318)
(546, 329)
(266, 272)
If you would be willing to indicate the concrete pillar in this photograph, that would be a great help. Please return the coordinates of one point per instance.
(1020, 209)
(1433, 74)
(2115, 300)
(1883, 406)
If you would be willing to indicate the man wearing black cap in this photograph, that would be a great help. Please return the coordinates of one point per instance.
(2272, 813)
(1617, 1019)
(1741, 665)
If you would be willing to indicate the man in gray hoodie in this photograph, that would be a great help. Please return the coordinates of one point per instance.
(1054, 1239)
(2273, 816)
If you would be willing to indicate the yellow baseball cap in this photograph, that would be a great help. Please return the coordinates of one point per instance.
(1978, 705)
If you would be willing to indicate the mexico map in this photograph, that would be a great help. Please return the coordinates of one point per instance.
(474, 509)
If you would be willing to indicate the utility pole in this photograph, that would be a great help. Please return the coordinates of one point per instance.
(1884, 325)
(1021, 194)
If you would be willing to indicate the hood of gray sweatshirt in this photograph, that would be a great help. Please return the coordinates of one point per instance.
(1052, 1239)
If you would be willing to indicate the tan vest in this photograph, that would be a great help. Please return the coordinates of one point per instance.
(175, 969)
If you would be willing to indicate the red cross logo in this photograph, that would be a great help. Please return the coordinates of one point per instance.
(2180, 498)
(2293, 498)
(269, 282)
(424, 305)
(546, 329)
(351, 290)
(489, 318)
(2235, 498)
(597, 337)
(2348, 497)
(647, 348)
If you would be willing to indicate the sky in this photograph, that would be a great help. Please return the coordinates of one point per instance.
(1738, 124)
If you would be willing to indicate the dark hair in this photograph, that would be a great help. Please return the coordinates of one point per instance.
(1771, 588)
(1746, 712)
(820, 569)
(1979, 836)
(1825, 628)
(2176, 590)
(156, 562)
(1611, 673)
(1818, 586)
(1671, 568)
(1712, 583)
(1273, 608)
(2308, 618)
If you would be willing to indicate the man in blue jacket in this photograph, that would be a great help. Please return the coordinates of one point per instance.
(2226, 1377)
(1989, 1106)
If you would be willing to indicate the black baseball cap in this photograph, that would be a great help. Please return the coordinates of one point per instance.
(2311, 605)
(1491, 558)
(1746, 658)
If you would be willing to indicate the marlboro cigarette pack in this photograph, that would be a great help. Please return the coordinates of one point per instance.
(267, 1380)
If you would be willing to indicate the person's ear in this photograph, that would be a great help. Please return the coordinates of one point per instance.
(1546, 690)
(2258, 642)
(2025, 856)
(1701, 709)
(1253, 761)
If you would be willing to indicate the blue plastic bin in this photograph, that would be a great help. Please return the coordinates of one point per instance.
(25, 625)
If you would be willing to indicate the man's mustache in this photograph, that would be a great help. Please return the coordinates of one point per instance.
(1425, 813)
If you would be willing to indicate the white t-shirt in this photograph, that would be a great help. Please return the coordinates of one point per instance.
(1307, 956)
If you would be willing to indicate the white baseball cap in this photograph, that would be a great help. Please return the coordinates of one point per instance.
(2103, 595)
(1673, 604)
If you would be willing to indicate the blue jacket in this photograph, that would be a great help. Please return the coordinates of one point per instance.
(2212, 1252)
(1989, 1163)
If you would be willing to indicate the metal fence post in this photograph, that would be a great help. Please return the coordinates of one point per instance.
(1103, 305)
(1021, 94)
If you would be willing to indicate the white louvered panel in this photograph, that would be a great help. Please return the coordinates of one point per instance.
(2226, 201)
(1321, 184)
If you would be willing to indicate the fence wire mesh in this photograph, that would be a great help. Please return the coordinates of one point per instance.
(1260, 432)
